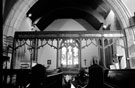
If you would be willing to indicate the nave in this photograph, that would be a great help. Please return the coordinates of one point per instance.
(68, 44)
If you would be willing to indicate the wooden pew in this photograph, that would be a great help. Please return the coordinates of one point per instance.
(122, 78)
(100, 77)
(41, 78)
(96, 76)
(54, 80)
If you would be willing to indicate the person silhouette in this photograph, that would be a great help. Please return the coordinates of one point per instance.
(38, 76)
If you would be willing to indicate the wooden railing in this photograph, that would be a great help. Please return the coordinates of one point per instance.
(13, 78)
(21, 78)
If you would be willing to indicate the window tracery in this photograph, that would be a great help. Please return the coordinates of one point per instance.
(69, 55)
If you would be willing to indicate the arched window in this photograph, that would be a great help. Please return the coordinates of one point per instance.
(69, 53)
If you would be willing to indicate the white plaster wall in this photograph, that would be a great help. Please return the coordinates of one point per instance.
(26, 24)
(47, 53)
(111, 20)
(68, 25)
(88, 53)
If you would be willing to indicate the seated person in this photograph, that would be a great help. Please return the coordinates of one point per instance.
(81, 79)
(67, 81)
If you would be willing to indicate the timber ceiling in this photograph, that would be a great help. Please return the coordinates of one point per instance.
(93, 11)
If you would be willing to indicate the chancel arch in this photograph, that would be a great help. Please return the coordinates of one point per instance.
(12, 23)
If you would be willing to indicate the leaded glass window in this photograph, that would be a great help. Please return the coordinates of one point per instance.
(69, 53)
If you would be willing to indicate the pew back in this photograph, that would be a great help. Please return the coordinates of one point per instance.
(124, 78)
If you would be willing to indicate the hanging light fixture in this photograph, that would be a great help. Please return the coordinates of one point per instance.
(29, 15)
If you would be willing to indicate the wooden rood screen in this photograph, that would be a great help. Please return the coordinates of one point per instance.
(33, 41)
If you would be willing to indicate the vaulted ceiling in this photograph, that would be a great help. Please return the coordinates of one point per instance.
(46, 11)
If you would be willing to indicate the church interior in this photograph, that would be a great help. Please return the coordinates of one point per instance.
(68, 44)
